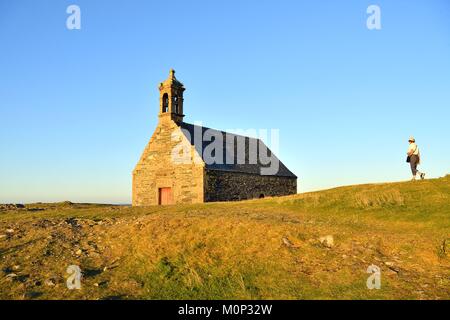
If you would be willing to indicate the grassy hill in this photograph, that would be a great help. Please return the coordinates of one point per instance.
(258, 249)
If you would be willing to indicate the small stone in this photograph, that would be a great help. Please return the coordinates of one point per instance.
(49, 283)
(16, 267)
(78, 252)
(327, 241)
(392, 266)
(287, 242)
(11, 275)
(9, 230)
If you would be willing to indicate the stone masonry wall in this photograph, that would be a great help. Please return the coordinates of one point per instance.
(231, 186)
(156, 169)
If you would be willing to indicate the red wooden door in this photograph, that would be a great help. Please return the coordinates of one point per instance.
(165, 196)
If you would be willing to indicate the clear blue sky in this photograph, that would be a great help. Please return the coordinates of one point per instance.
(78, 107)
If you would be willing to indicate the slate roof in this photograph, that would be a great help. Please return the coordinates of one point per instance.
(189, 130)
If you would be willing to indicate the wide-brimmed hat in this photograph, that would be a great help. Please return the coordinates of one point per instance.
(412, 139)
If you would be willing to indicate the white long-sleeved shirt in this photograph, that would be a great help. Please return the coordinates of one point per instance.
(413, 149)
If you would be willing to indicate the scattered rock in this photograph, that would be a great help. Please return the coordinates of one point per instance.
(9, 231)
(102, 284)
(288, 243)
(327, 241)
(74, 223)
(49, 283)
(78, 252)
(11, 275)
(44, 223)
(392, 266)
(10, 206)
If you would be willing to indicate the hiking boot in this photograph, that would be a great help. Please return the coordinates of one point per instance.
(422, 176)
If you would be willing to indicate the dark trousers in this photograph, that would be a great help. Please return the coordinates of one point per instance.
(414, 162)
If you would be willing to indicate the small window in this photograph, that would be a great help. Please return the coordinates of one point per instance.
(175, 104)
(165, 103)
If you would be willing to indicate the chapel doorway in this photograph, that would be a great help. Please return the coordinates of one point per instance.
(165, 196)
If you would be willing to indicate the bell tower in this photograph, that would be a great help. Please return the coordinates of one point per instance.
(171, 98)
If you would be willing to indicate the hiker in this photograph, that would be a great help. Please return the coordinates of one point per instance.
(414, 158)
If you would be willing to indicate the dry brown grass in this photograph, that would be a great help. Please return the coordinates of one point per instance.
(236, 250)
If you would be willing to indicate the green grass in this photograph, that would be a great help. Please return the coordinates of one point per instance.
(235, 250)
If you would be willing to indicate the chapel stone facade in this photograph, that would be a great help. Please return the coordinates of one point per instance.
(177, 164)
